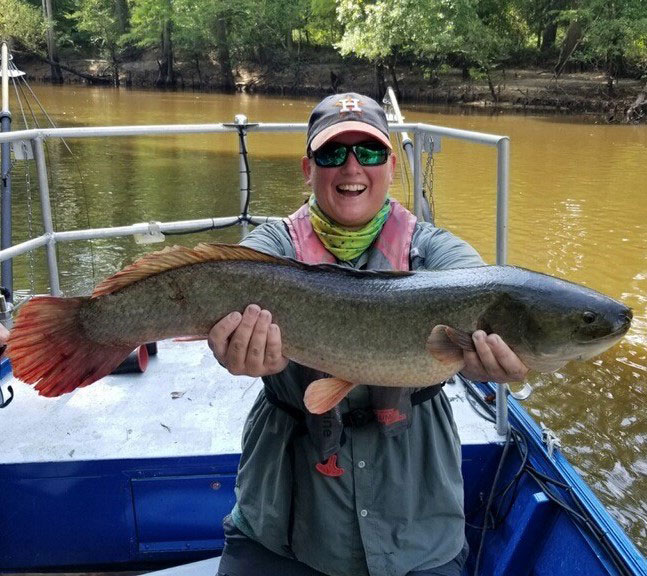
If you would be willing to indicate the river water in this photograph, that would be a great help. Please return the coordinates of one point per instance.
(578, 209)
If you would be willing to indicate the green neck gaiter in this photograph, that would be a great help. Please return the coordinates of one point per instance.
(345, 244)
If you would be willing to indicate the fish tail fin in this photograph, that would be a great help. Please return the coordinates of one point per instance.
(324, 394)
(48, 348)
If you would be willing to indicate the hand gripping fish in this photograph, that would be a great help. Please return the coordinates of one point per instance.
(363, 327)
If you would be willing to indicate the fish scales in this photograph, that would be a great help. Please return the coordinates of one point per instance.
(367, 328)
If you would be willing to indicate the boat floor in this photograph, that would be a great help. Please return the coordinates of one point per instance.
(185, 404)
(208, 567)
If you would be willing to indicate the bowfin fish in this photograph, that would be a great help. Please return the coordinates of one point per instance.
(378, 328)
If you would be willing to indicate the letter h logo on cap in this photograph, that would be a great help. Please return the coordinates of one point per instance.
(349, 104)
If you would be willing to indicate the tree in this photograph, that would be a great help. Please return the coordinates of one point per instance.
(152, 25)
(475, 34)
(22, 24)
(204, 27)
(52, 46)
(106, 23)
(613, 35)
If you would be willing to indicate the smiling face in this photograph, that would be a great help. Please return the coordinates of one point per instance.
(351, 194)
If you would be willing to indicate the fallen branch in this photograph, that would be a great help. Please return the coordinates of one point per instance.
(634, 112)
(89, 77)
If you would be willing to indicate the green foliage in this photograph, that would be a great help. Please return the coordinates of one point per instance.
(100, 20)
(476, 35)
(22, 23)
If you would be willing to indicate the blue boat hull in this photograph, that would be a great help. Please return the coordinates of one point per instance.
(128, 514)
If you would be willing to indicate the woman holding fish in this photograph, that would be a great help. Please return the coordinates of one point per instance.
(365, 480)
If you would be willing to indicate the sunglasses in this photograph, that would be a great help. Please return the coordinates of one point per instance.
(334, 155)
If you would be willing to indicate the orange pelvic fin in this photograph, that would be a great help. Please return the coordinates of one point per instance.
(446, 344)
(324, 394)
(47, 347)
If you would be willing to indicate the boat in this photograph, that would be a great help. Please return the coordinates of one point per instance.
(137, 471)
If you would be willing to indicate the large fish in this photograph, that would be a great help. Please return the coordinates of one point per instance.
(377, 328)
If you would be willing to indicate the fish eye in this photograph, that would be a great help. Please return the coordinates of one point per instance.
(589, 317)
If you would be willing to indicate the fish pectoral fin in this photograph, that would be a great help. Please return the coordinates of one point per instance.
(324, 394)
(460, 338)
(446, 344)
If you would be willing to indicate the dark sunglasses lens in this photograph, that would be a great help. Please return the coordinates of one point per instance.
(331, 156)
(371, 154)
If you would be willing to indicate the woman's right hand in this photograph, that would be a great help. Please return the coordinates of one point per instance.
(248, 345)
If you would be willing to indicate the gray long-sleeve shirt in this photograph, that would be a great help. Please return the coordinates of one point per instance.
(398, 507)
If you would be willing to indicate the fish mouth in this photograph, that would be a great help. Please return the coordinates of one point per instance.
(625, 323)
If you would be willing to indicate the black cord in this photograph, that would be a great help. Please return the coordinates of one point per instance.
(491, 521)
(243, 144)
(506, 447)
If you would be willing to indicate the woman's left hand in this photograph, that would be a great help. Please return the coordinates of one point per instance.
(493, 360)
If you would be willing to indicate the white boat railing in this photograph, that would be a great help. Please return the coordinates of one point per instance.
(425, 137)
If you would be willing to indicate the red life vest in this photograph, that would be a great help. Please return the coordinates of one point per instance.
(393, 243)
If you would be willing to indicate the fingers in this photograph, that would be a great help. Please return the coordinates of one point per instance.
(493, 360)
(255, 359)
(239, 341)
(273, 350)
(218, 338)
(513, 369)
(248, 344)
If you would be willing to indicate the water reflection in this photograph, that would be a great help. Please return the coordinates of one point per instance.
(577, 210)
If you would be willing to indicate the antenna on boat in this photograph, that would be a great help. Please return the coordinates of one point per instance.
(422, 207)
(6, 267)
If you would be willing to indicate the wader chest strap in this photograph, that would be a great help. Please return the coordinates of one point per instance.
(357, 417)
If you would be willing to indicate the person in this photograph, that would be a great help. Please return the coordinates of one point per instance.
(4, 336)
(357, 490)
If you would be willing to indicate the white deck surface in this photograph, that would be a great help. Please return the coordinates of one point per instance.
(207, 567)
(184, 404)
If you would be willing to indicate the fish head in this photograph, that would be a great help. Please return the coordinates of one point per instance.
(549, 322)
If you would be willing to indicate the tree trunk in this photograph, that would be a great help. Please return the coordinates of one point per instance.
(115, 68)
(611, 74)
(166, 76)
(52, 48)
(223, 54)
(199, 71)
(394, 79)
(89, 77)
(490, 84)
(574, 36)
(635, 111)
(548, 38)
(122, 15)
(380, 83)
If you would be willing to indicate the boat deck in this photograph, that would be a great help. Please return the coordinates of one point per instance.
(185, 404)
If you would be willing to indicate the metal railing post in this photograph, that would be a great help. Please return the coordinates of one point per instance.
(502, 183)
(407, 146)
(241, 119)
(417, 173)
(503, 176)
(48, 226)
(6, 268)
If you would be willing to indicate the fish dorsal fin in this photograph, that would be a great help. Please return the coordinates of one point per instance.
(176, 257)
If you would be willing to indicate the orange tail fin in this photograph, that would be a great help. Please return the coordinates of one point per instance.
(47, 347)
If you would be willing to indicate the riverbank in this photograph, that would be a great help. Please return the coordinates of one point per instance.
(511, 89)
